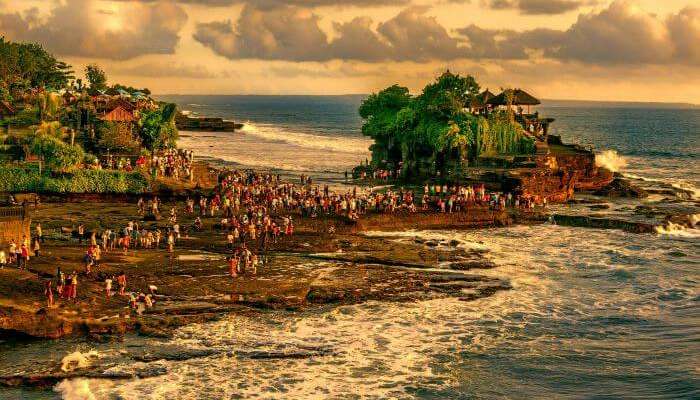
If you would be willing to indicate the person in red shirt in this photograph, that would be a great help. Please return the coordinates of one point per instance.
(24, 256)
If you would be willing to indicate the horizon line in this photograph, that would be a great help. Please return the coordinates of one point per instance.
(685, 103)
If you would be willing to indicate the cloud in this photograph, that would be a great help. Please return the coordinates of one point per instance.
(534, 7)
(158, 69)
(294, 34)
(684, 29)
(80, 28)
(622, 34)
(268, 4)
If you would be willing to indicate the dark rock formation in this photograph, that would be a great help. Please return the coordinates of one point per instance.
(622, 188)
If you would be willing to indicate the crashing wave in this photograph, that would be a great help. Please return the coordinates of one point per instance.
(611, 160)
(78, 360)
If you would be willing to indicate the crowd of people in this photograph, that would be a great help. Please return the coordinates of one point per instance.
(250, 210)
(170, 163)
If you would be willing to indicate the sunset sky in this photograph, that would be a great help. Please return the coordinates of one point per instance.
(637, 50)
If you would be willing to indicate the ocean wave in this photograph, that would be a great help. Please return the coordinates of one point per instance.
(677, 230)
(680, 185)
(78, 360)
(347, 144)
(611, 160)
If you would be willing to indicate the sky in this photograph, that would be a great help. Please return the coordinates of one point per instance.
(618, 50)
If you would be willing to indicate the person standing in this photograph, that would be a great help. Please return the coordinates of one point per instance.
(39, 233)
(81, 233)
(48, 291)
(121, 281)
(23, 258)
(37, 247)
(108, 287)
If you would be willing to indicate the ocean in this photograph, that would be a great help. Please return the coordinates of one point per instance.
(592, 314)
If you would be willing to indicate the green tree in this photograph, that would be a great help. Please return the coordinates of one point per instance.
(28, 65)
(158, 128)
(434, 131)
(97, 78)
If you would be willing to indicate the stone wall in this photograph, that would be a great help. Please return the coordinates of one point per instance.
(15, 223)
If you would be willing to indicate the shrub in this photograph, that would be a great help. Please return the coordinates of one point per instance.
(14, 179)
(56, 153)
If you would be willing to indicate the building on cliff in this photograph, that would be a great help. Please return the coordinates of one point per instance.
(15, 223)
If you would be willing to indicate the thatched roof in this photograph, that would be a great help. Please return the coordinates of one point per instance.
(519, 98)
(119, 115)
(482, 99)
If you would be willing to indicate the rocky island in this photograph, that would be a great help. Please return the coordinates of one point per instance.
(189, 122)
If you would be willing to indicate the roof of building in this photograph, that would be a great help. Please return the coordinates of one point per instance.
(482, 99)
(519, 98)
(119, 114)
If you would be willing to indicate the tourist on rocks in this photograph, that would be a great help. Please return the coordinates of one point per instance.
(81, 233)
(229, 240)
(60, 281)
(36, 247)
(73, 286)
(23, 258)
(108, 287)
(12, 253)
(124, 243)
(48, 292)
(121, 281)
(233, 265)
(171, 241)
(39, 233)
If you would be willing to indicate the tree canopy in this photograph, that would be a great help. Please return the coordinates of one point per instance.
(435, 129)
(28, 65)
(97, 78)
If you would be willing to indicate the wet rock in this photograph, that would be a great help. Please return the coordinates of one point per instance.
(467, 265)
(622, 188)
(602, 223)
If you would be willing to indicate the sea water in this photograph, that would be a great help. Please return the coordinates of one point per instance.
(592, 313)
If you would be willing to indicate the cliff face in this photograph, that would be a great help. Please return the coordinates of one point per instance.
(558, 175)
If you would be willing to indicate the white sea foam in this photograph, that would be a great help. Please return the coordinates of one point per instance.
(270, 147)
(674, 229)
(78, 360)
(75, 389)
(343, 144)
(611, 160)
(563, 287)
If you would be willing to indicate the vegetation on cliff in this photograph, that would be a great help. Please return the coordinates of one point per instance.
(15, 180)
(436, 131)
(49, 115)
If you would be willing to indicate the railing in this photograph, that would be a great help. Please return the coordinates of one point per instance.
(13, 212)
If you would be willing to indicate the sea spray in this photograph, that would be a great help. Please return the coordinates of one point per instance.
(611, 160)
(74, 389)
(78, 360)
(678, 230)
